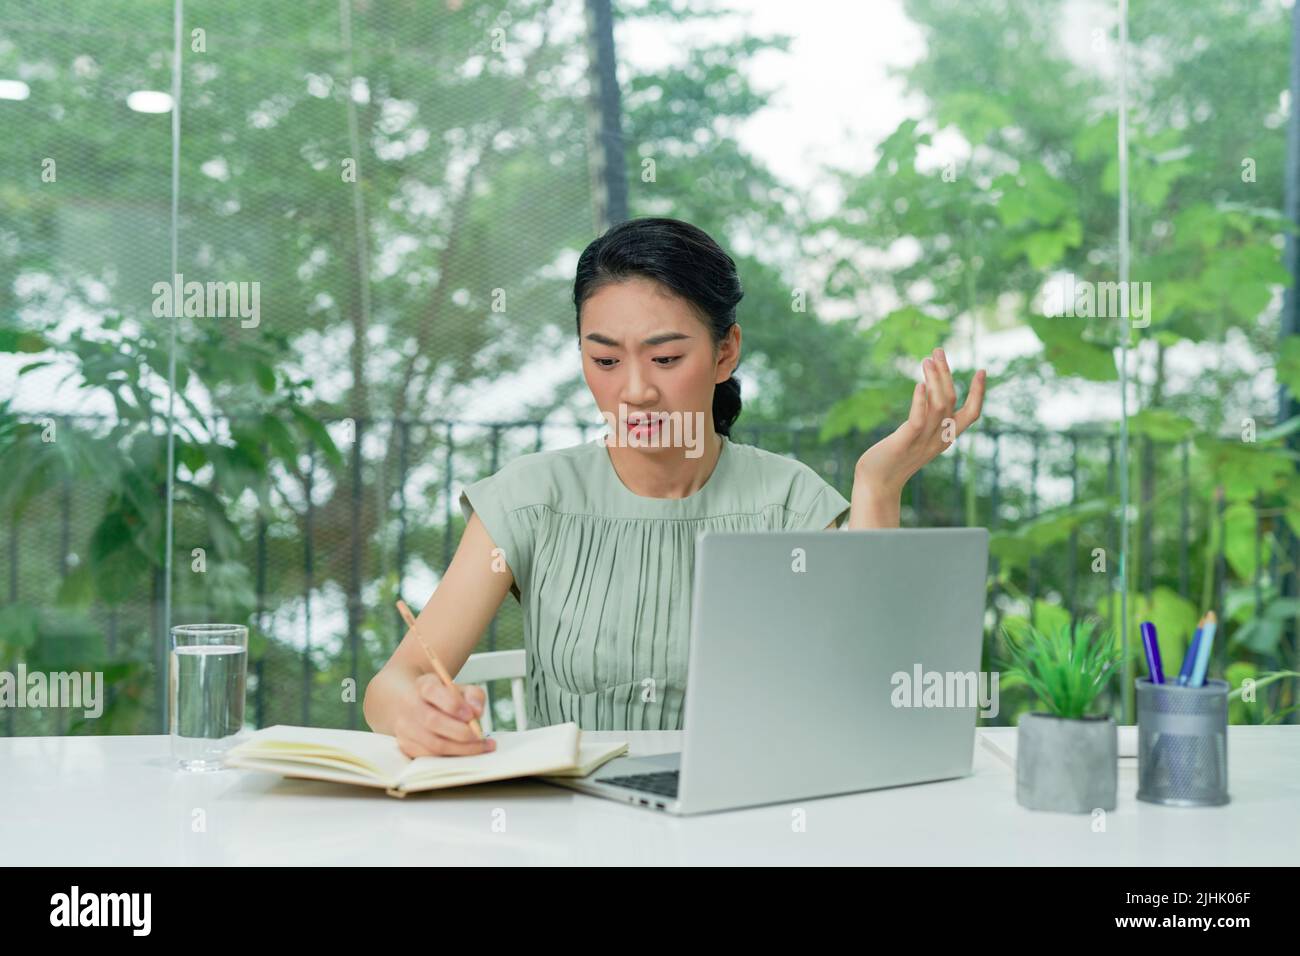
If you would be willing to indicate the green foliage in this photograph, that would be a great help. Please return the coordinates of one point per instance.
(906, 333)
(1072, 355)
(865, 410)
(1260, 631)
(1253, 711)
(1160, 425)
(1028, 539)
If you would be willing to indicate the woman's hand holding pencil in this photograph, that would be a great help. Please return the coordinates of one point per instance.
(439, 719)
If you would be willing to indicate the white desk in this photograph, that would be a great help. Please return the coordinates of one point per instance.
(116, 801)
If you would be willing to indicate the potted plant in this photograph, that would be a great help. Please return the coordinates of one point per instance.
(1066, 757)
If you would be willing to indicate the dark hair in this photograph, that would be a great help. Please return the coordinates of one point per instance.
(687, 262)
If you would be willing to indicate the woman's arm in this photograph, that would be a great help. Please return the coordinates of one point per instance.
(461, 608)
(870, 511)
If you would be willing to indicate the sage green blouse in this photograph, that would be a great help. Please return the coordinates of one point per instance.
(604, 575)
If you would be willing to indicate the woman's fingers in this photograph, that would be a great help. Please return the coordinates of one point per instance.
(933, 387)
(427, 731)
(916, 417)
(949, 393)
(436, 721)
(458, 701)
(938, 384)
(938, 428)
(416, 741)
(444, 725)
(970, 411)
(940, 397)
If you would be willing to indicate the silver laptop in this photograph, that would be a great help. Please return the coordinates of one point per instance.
(809, 655)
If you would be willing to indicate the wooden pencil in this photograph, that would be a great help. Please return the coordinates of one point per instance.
(438, 669)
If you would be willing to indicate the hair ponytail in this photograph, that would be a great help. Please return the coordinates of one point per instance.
(726, 405)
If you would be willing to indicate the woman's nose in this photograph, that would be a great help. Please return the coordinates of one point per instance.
(637, 389)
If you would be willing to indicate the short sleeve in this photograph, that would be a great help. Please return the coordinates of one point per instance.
(490, 498)
(825, 505)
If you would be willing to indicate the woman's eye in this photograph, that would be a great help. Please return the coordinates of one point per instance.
(663, 360)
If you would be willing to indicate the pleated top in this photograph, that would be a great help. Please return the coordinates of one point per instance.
(604, 575)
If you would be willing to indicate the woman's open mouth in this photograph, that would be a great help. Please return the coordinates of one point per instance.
(644, 428)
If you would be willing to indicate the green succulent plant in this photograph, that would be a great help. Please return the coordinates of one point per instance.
(1066, 667)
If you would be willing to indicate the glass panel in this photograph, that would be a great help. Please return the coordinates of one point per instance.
(84, 233)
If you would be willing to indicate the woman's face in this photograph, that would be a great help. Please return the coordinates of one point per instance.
(645, 348)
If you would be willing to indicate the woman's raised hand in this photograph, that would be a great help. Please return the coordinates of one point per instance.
(932, 425)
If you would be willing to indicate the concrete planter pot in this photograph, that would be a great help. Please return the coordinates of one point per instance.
(1066, 765)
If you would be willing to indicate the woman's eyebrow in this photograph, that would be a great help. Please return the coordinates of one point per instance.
(658, 339)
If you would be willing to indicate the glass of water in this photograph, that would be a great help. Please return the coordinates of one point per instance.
(208, 670)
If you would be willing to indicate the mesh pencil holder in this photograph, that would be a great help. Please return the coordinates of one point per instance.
(1182, 743)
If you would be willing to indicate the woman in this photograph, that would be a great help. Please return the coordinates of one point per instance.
(597, 541)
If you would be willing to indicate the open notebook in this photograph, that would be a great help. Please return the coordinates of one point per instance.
(375, 760)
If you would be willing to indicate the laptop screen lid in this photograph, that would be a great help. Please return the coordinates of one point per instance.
(814, 659)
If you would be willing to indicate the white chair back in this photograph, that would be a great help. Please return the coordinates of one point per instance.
(481, 669)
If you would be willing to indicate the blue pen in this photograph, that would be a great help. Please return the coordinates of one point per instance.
(1189, 659)
(1154, 669)
(1203, 652)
